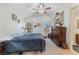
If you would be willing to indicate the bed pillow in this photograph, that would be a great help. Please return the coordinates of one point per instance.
(16, 34)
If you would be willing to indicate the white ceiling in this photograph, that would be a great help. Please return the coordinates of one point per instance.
(25, 9)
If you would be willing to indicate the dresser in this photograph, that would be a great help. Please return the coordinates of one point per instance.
(58, 36)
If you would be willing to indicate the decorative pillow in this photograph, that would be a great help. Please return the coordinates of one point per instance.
(29, 27)
(46, 23)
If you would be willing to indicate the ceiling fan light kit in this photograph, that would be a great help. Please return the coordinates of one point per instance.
(41, 8)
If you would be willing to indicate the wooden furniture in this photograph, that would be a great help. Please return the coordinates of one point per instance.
(64, 45)
(58, 36)
(77, 38)
(1, 48)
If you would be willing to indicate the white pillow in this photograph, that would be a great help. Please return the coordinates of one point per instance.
(16, 34)
(19, 30)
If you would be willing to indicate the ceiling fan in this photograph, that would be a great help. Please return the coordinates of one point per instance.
(41, 8)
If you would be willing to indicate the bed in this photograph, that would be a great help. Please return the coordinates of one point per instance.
(25, 43)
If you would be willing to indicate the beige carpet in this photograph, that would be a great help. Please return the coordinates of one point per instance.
(51, 49)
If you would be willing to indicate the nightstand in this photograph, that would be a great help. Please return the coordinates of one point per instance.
(1, 48)
(77, 39)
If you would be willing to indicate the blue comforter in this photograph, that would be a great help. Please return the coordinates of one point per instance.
(26, 42)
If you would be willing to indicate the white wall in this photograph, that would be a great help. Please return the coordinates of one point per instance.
(7, 26)
(73, 30)
(69, 23)
(3, 17)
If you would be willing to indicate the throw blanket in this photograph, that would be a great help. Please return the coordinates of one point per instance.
(26, 42)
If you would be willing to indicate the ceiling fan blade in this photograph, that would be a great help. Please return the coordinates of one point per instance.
(47, 8)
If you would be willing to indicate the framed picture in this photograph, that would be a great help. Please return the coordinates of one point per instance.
(14, 17)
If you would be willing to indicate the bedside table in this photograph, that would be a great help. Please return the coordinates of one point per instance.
(77, 39)
(1, 48)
